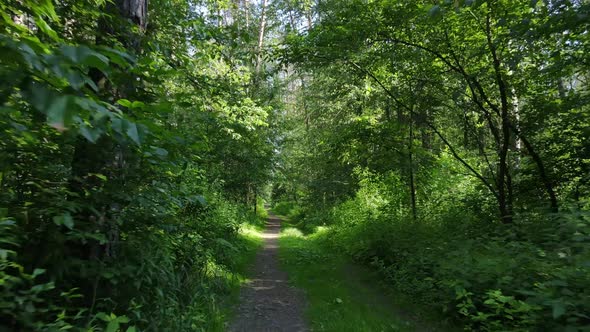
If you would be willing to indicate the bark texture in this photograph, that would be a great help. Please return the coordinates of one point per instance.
(135, 10)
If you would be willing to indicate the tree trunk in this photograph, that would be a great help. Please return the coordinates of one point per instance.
(255, 201)
(504, 182)
(104, 157)
(135, 10)
(411, 159)
(261, 37)
(247, 10)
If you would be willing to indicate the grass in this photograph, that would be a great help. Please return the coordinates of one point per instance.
(342, 296)
(336, 302)
(249, 243)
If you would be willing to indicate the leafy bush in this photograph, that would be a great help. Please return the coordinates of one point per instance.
(260, 209)
(169, 276)
(184, 269)
(532, 275)
(114, 210)
(286, 208)
(24, 298)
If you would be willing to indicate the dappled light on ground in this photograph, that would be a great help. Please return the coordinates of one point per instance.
(267, 301)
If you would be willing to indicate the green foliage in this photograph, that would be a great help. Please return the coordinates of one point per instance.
(341, 296)
(285, 208)
(444, 144)
(185, 267)
(127, 159)
(520, 277)
(131, 154)
(23, 296)
(261, 210)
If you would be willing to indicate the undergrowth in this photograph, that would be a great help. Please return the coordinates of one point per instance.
(532, 275)
(341, 296)
(166, 278)
(286, 208)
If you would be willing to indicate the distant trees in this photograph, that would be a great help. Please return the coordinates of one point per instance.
(445, 144)
(131, 139)
(463, 72)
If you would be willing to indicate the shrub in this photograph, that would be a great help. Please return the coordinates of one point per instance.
(286, 208)
(532, 275)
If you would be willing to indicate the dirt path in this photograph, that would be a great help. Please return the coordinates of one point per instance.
(267, 302)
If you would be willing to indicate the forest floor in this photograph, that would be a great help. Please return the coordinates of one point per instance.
(267, 302)
(298, 284)
(344, 296)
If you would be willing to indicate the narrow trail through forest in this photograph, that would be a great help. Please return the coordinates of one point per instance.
(267, 302)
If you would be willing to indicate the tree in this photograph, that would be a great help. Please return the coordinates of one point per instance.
(476, 44)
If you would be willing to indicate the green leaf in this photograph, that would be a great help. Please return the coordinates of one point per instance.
(58, 116)
(226, 244)
(98, 110)
(29, 307)
(6, 222)
(96, 60)
(201, 200)
(118, 57)
(76, 80)
(83, 55)
(65, 220)
(102, 316)
(119, 125)
(43, 26)
(43, 7)
(100, 176)
(91, 134)
(91, 84)
(161, 152)
(38, 272)
(558, 310)
(137, 104)
(5, 253)
(71, 52)
(133, 133)
(124, 103)
(43, 287)
(39, 96)
(113, 326)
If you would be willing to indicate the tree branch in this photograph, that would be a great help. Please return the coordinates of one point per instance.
(430, 125)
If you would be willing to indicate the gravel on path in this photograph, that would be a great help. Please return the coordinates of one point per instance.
(267, 301)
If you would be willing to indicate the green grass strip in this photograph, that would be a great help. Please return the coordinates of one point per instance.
(341, 296)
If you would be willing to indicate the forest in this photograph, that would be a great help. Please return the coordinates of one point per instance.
(438, 148)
